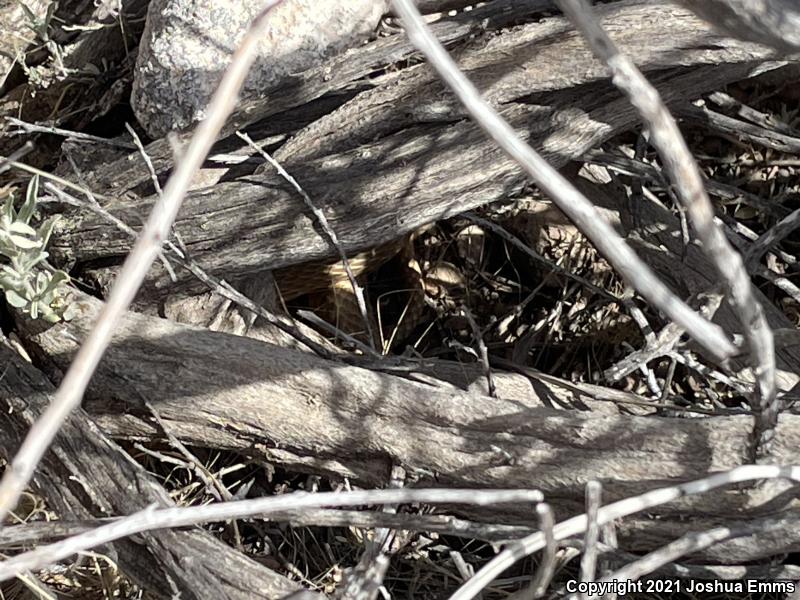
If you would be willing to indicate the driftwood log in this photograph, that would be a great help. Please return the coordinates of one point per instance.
(86, 475)
(222, 391)
(423, 162)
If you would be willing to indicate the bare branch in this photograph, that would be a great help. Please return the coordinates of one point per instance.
(154, 518)
(548, 565)
(70, 392)
(574, 204)
(688, 182)
(617, 510)
(775, 23)
(594, 491)
(8, 162)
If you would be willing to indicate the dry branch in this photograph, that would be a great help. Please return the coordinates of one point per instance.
(222, 391)
(154, 518)
(687, 180)
(134, 270)
(85, 475)
(416, 172)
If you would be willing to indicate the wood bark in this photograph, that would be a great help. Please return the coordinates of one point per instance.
(427, 163)
(222, 391)
(85, 475)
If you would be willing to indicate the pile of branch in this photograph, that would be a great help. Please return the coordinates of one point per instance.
(382, 148)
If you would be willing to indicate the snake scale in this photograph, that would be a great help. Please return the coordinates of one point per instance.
(327, 282)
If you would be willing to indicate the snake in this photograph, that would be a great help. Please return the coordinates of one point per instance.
(327, 280)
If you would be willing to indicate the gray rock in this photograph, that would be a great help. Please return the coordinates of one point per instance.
(774, 23)
(188, 43)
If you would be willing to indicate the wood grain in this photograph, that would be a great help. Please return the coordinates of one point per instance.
(86, 475)
(413, 171)
(222, 391)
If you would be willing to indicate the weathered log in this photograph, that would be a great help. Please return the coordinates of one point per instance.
(371, 195)
(222, 391)
(374, 192)
(336, 78)
(85, 475)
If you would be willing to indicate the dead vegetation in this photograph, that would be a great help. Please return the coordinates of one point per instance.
(475, 337)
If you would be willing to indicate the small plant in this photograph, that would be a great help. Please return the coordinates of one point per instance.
(27, 283)
(40, 26)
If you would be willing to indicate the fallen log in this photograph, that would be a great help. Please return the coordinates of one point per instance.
(288, 407)
(335, 78)
(412, 171)
(86, 475)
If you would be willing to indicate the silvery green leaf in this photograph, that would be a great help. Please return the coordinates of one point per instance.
(21, 228)
(31, 194)
(56, 279)
(10, 271)
(45, 229)
(8, 209)
(15, 300)
(8, 283)
(24, 243)
(40, 284)
(51, 316)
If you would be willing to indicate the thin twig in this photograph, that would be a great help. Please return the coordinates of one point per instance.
(690, 543)
(761, 119)
(773, 236)
(685, 176)
(564, 194)
(70, 135)
(544, 574)
(617, 510)
(69, 394)
(465, 570)
(146, 157)
(7, 162)
(358, 291)
(346, 338)
(664, 342)
(155, 518)
(29, 534)
(45, 175)
(221, 158)
(594, 490)
(483, 352)
(213, 486)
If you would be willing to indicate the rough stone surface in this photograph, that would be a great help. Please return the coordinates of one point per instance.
(188, 43)
(775, 23)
